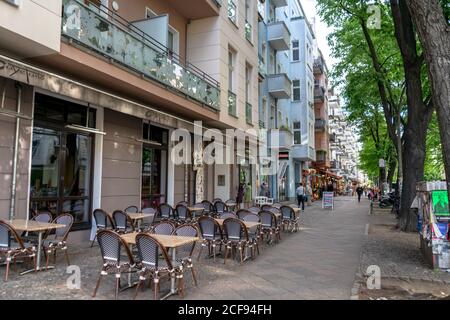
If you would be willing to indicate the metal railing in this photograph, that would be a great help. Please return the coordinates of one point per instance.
(248, 31)
(112, 36)
(248, 113)
(232, 103)
(232, 14)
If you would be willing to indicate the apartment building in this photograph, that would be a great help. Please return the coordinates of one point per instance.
(286, 102)
(92, 91)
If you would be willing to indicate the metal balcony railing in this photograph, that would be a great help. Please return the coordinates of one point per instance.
(232, 14)
(232, 103)
(106, 33)
(248, 31)
(248, 113)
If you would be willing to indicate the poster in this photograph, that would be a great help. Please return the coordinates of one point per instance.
(328, 200)
(439, 202)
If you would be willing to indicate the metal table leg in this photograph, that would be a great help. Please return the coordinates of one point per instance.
(38, 256)
(173, 288)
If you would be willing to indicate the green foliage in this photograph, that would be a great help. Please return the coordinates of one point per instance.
(434, 162)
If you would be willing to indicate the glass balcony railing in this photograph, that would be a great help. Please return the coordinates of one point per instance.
(232, 104)
(248, 31)
(232, 14)
(108, 34)
(248, 112)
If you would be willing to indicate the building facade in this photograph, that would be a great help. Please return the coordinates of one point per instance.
(93, 92)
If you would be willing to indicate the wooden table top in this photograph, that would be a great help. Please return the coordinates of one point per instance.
(247, 223)
(166, 241)
(139, 215)
(196, 208)
(31, 225)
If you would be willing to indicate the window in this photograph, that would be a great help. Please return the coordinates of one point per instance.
(231, 59)
(264, 110)
(295, 90)
(248, 21)
(173, 36)
(232, 11)
(297, 132)
(279, 120)
(271, 14)
(272, 117)
(295, 51)
(248, 83)
(271, 63)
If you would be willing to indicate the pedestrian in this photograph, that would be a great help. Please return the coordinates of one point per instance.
(309, 194)
(240, 195)
(301, 196)
(248, 196)
(262, 190)
(359, 191)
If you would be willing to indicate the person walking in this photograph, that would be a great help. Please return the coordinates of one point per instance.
(301, 196)
(248, 196)
(359, 191)
(309, 194)
(240, 195)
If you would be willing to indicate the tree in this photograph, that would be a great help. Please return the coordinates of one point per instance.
(431, 19)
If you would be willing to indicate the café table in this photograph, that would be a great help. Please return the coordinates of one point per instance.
(168, 241)
(135, 217)
(194, 210)
(40, 228)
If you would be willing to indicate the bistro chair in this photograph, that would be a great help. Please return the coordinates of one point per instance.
(165, 211)
(132, 209)
(236, 237)
(182, 213)
(11, 250)
(208, 207)
(44, 217)
(289, 220)
(254, 233)
(216, 199)
(266, 207)
(226, 215)
(122, 222)
(211, 235)
(148, 222)
(231, 204)
(149, 249)
(111, 245)
(254, 209)
(184, 203)
(59, 242)
(102, 220)
(164, 228)
(197, 214)
(277, 205)
(184, 253)
(242, 213)
(220, 207)
(269, 226)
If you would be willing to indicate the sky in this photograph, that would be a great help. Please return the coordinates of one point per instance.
(321, 30)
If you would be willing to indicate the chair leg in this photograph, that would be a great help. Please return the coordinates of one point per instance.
(181, 285)
(67, 257)
(193, 275)
(116, 294)
(214, 252)
(46, 260)
(97, 285)
(225, 254)
(200, 252)
(7, 267)
(92, 243)
(138, 286)
(156, 289)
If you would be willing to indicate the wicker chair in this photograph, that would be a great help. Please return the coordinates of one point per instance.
(236, 237)
(242, 213)
(208, 207)
(182, 213)
(211, 234)
(152, 267)
(44, 217)
(59, 241)
(289, 220)
(226, 215)
(11, 250)
(184, 203)
(220, 207)
(111, 245)
(165, 211)
(131, 209)
(122, 222)
(164, 228)
(102, 220)
(254, 209)
(147, 223)
(255, 232)
(184, 253)
(266, 207)
(269, 226)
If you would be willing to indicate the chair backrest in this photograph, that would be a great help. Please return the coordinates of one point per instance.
(186, 230)
(226, 215)
(251, 217)
(165, 211)
(274, 210)
(6, 232)
(277, 205)
(235, 229)
(268, 219)
(287, 212)
(242, 213)
(151, 211)
(209, 228)
(101, 218)
(266, 207)
(207, 206)
(254, 209)
(132, 209)
(220, 206)
(185, 203)
(67, 220)
(165, 228)
(148, 251)
(111, 245)
(182, 212)
(120, 220)
(43, 217)
(216, 199)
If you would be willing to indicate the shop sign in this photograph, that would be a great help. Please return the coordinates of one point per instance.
(328, 200)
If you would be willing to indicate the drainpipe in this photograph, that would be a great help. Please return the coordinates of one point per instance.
(15, 154)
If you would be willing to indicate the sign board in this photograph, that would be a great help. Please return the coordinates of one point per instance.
(328, 200)
(439, 203)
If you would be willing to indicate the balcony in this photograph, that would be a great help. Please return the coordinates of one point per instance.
(319, 93)
(319, 66)
(280, 86)
(281, 139)
(262, 124)
(320, 124)
(232, 12)
(248, 113)
(196, 9)
(122, 43)
(279, 3)
(248, 31)
(232, 104)
(278, 36)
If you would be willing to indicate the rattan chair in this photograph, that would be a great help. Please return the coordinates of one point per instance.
(12, 247)
(147, 223)
(131, 209)
(59, 241)
(151, 267)
(236, 237)
(102, 221)
(184, 253)
(182, 213)
(122, 222)
(211, 235)
(111, 246)
(269, 226)
(242, 213)
(44, 217)
(289, 220)
(225, 215)
(165, 211)
(254, 209)
(164, 228)
(255, 232)
(208, 207)
(220, 207)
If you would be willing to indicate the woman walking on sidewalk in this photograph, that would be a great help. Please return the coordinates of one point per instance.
(301, 196)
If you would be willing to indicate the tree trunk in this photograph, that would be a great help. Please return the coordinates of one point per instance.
(392, 167)
(419, 114)
(434, 34)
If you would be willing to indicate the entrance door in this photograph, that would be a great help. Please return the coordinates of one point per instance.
(61, 173)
